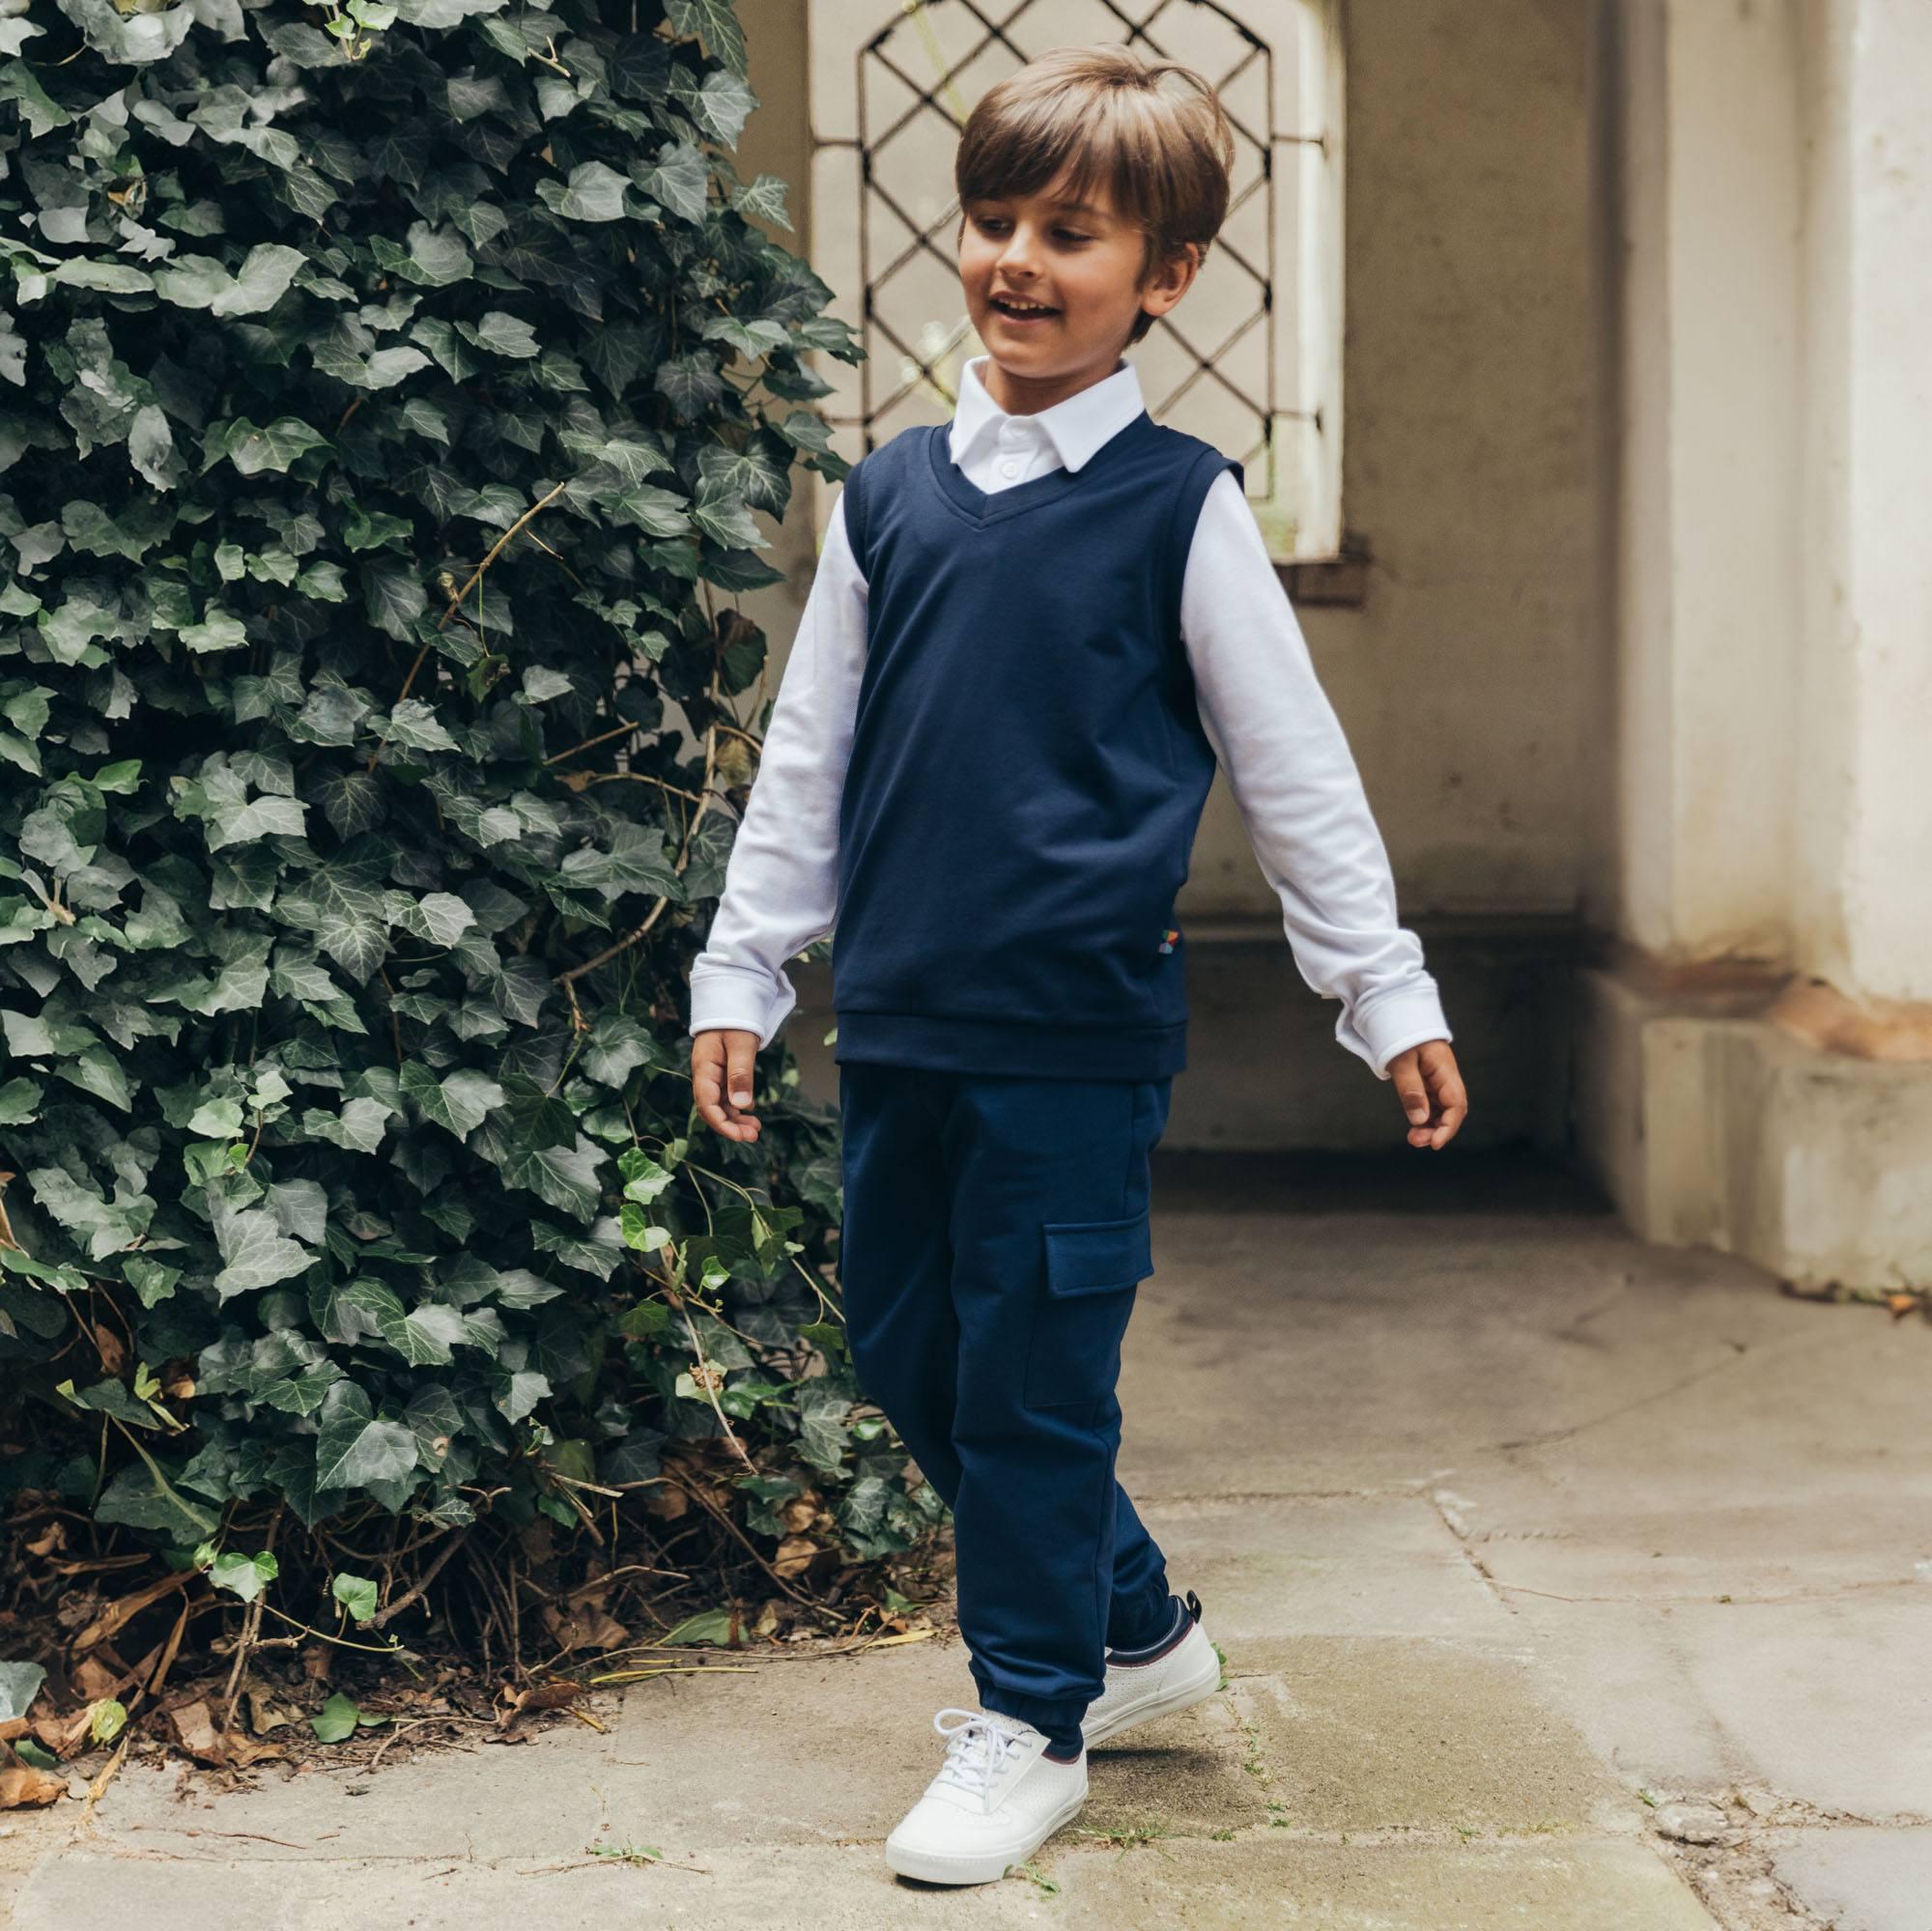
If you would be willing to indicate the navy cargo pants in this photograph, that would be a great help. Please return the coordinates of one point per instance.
(995, 1235)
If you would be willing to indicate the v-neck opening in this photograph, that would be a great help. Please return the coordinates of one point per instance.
(983, 506)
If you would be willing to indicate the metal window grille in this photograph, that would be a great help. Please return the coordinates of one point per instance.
(1250, 358)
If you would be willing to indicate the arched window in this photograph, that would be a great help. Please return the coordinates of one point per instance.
(1251, 359)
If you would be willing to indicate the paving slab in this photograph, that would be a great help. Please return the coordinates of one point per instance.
(1313, 1886)
(1252, 1886)
(1374, 1565)
(540, 1798)
(1376, 1350)
(1806, 1698)
(1353, 1735)
(1191, 1775)
(812, 1749)
(1859, 1880)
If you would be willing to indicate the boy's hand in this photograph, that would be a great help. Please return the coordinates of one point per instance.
(721, 1080)
(1431, 1091)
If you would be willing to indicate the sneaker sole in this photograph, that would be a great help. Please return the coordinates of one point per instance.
(974, 1868)
(1181, 1695)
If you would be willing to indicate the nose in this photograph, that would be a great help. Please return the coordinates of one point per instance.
(1018, 259)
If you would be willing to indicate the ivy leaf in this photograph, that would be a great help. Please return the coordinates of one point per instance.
(99, 1073)
(141, 1496)
(764, 200)
(354, 1449)
(722, 106)
(716, 24)
(500, 333)
(200, 281)
(395, 598)
(218, 630)
(458, 1103)
(681, 180)
(340, 904)
(595, 193)
(151, 448)
(691, 383)
(130, 40)
(358, 1129)
(256, 1252)
(19, 1102)
(415, 724)
(278, 447)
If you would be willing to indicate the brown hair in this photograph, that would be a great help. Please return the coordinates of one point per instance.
(1164, 155)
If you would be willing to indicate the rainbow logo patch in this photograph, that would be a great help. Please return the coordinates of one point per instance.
(1168, 938)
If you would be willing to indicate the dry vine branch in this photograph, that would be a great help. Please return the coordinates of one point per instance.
(476, 577)
(629, 939)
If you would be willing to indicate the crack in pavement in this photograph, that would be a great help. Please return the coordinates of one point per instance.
(1439, 1500)
(1734, 1877)
(1742, 1350)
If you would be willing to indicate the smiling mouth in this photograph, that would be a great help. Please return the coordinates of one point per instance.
(1016, 311)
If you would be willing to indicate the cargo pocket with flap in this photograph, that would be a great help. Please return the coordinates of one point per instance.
(1080, 1315)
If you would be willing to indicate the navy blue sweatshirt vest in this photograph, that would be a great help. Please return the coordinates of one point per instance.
(1028, 766)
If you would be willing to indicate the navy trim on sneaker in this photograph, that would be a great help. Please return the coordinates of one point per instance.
(1176, 1630)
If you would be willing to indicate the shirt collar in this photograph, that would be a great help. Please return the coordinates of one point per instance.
(1076, 427)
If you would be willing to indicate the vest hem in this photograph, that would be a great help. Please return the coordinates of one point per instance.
(1017, 1047)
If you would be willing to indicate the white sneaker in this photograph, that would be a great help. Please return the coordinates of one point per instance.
(995, 1800)
(1137, 1692)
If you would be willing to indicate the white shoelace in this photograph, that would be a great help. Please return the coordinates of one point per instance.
(974, 1750)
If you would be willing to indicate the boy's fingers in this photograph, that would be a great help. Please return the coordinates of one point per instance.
(741, 1051)
(705, 1082)
(1452, 1104)
(715, 1058)
(1408, 1086)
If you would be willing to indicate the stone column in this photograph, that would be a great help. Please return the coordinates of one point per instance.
(1755, 1070)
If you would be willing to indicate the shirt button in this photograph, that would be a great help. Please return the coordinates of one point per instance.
(1009, 468)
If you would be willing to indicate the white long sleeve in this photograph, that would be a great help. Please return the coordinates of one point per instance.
(1296, 783)
(1270, 722)
(782, 879)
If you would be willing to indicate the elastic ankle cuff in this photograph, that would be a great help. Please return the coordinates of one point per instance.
(1056, 1718)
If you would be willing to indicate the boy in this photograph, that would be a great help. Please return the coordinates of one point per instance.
(1031, 634)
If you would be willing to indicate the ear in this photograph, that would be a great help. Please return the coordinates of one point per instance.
(1172, 278)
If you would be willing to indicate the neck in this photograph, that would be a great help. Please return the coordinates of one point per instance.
(1017, 394)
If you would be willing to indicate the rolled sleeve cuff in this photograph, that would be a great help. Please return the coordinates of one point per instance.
(1394, 1024)
(739, 999)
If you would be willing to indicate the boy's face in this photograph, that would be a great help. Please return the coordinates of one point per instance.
(1082, 263)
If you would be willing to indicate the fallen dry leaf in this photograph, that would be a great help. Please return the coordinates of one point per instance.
(113, 1355)
(65, 1736)
(50, 1541)
(513, 1702)
(24, 1786)
(194, 1728)
(110, 1621)
(585, 1626)
(795, 1555)
(94, 1680)
(265, 1712)
(665, 1499)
